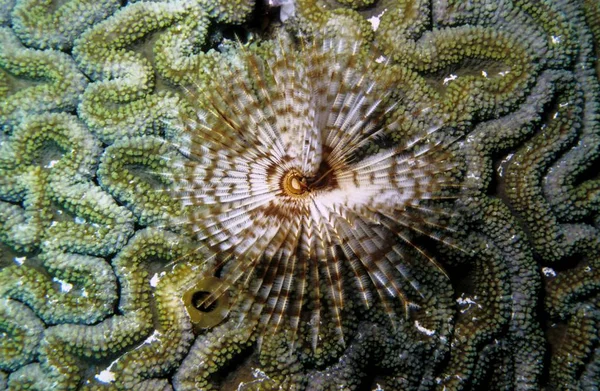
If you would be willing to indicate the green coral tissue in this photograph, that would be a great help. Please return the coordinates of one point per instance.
(299, 195)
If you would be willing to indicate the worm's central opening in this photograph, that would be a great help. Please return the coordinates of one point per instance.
(295, 184)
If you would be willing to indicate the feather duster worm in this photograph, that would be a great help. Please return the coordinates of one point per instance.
(280, 182)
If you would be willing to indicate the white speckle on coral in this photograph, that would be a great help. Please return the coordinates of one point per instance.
(503, 164)
(375, 20)
(105, 376)
(51, 163)
(450, 78)
(260, 377)
(287, 10)
(259, 374)
(380, 59)
(64, 286)
(424, 330)
(549, 272)
(154, 280)
(154, 337)
(468, 302)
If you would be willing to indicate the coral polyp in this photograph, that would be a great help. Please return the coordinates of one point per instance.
(292, 179)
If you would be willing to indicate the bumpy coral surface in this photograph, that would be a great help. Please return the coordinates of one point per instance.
(119, 123)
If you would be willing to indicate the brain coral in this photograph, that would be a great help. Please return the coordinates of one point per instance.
(107, 116)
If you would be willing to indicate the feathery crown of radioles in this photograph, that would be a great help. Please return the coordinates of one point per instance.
(280, 182)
